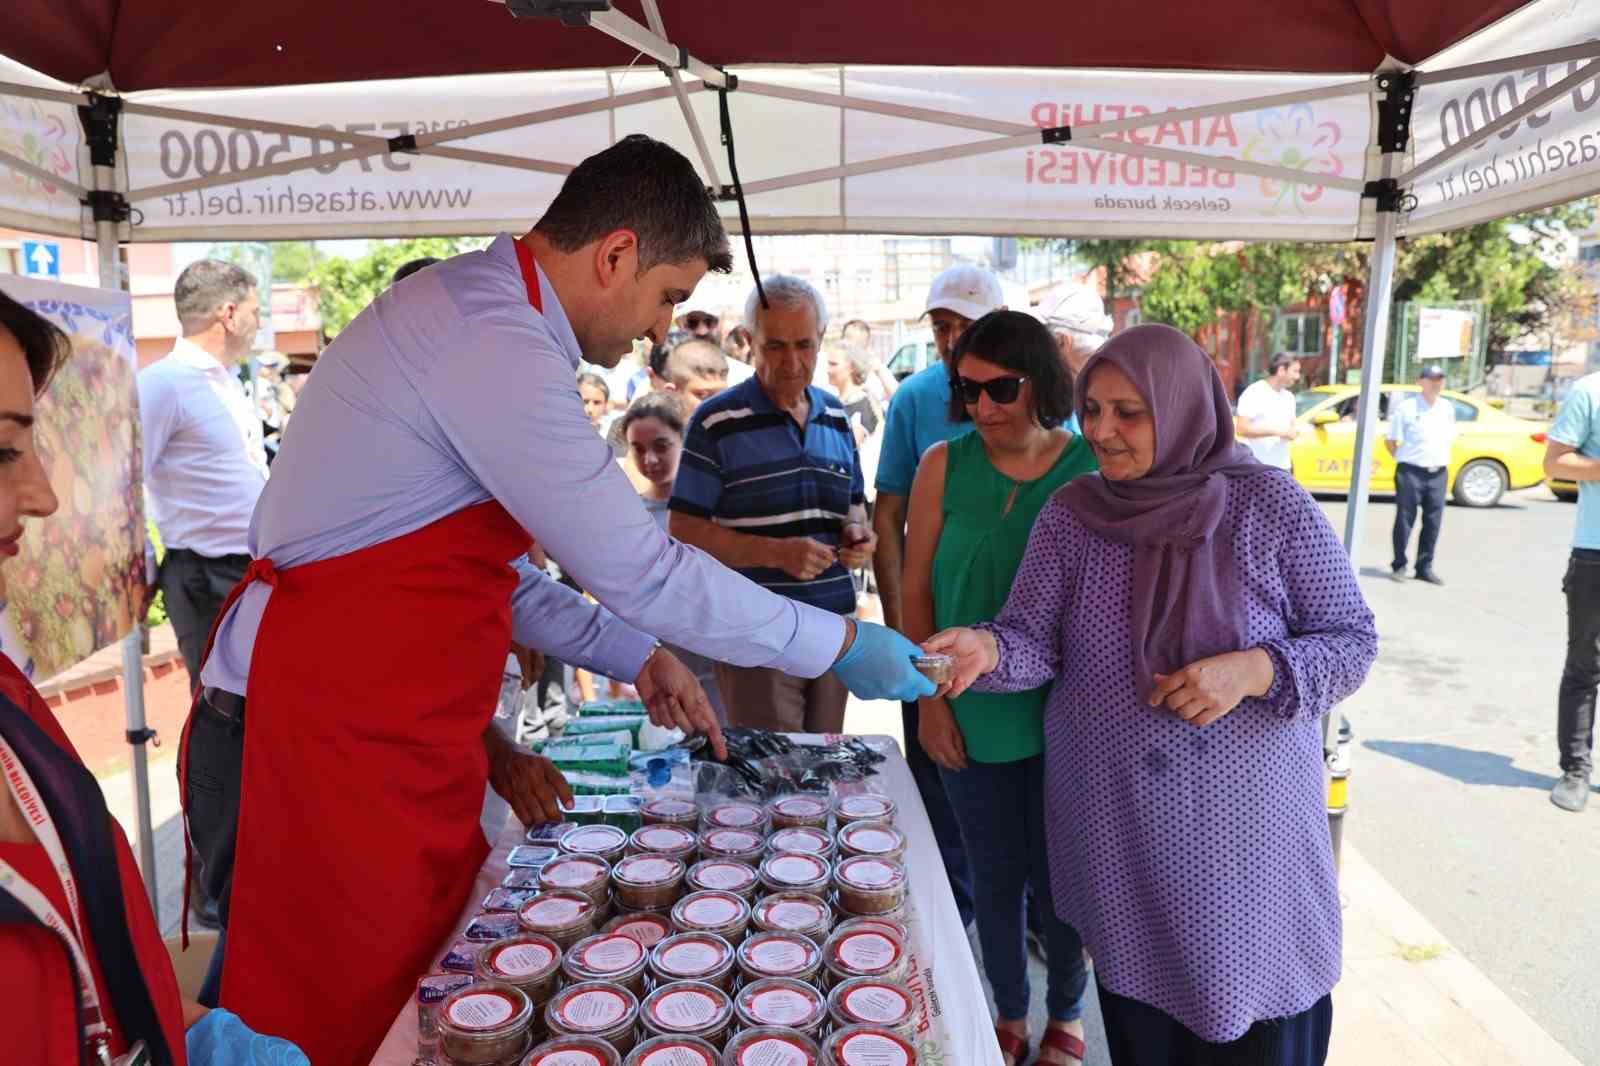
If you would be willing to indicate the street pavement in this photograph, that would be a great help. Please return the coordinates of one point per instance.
(1455, 756)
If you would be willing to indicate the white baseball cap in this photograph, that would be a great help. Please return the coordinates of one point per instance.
(970, 291)
(1076, 307)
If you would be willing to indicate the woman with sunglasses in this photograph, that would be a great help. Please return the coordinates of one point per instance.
(972, 505)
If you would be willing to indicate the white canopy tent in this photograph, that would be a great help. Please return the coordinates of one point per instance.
(1499, 122)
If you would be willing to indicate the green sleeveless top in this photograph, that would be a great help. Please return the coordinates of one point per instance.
(980, 550)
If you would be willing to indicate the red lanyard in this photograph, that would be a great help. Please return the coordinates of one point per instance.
(96, 1034)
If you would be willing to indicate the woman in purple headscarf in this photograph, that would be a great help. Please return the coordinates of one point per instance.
(1198, 616)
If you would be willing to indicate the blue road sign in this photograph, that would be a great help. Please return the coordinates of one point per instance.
(41, 259)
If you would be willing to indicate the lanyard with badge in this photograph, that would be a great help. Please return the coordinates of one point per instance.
(97, 1035)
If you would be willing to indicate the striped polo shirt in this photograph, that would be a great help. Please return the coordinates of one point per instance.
(750, 467)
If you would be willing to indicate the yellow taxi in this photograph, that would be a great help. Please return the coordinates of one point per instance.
(1494, 452)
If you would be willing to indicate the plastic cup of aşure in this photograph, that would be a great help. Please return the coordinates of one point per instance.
(736, 814)
(863, 807)
(588, 874)
(722, 913)
(867, 884)
(868, 1045)
(804, 839)
(772, 1046)
(647, 882)
(563, 916)
(936, 667)
(872, 1001)
(602, 841)
(674, 841)
(595, 1008)
(740, 845)
(485, 1024)
(674, 1051)
(788, 812)
(529, 961)
(879, 839)
(723, 875)
(688, 1008)
(794, 912)
(573, 1051)
(610, 957)
(671, 810)
(791, 871)
(779, 954)
(703, 957)
(648, 928)
(863, 953)
(778, 1002)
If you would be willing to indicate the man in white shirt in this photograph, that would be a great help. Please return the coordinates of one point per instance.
(1265, 417)
(1422, 429)
(204, 464)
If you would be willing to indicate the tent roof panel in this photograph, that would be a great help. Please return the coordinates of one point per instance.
(151, 44)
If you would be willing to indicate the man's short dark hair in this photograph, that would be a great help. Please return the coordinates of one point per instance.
(642, 185)
(856, 323)
(696, 358)
(206, 285)
(596, 381)
(44, 344)
(1282, 361)
(658, 360)
(406, 269)
(1019, 342)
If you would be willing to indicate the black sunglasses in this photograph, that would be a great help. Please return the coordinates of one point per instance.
(1000, 390)
(692, 321)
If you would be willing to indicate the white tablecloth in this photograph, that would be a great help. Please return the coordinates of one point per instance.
(954, 1024)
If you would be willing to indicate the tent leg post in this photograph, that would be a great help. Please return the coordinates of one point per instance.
(100, 118)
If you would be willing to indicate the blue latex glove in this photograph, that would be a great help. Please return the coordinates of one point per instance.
(221, 1039)
(878, 666)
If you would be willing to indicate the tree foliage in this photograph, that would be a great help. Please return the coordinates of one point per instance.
(347, 286)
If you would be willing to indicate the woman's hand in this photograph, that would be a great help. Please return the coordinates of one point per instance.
(974, 651)
(1206, 690)
(939, 734)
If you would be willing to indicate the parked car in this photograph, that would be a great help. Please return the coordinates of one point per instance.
(914, 353)
(1494, 452)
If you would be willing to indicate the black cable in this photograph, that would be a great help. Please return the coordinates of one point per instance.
(738, 195)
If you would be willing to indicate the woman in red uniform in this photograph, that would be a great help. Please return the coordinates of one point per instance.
(84, 975)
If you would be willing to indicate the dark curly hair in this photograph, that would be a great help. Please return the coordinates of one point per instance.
(1019, 342)
(43, 343)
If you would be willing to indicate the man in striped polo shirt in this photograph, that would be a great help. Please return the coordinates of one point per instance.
(770, 485)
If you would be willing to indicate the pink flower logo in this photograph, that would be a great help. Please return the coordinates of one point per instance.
(43, 139)
(1292, 138)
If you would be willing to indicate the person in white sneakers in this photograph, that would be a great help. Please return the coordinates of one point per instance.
(1265, 417)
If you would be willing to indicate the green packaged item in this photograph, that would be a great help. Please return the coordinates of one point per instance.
(584, 809)
(587, 785)
(606, 758)
(624, 812)
(609, 736)
(605, 723)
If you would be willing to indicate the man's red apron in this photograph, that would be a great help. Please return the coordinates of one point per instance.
(373, 678)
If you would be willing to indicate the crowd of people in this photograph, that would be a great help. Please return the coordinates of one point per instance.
(547, 443)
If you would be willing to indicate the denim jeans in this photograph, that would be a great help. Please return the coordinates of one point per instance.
(1000, 807)
(1581, 675)
(946, 831)
(1414, 487)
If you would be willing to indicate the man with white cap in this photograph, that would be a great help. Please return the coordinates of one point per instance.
(919, 418)
(1076, 317)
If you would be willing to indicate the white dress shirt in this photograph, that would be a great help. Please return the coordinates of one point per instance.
(204, 465)
(1424, 433)
(450, 390)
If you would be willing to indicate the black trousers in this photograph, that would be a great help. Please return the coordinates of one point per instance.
(1138, 1034)
(1581, 675)
(193, 587)
(1414, 488)
(214, 756)
(946, 830)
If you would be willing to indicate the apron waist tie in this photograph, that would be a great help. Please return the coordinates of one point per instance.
(260, 570)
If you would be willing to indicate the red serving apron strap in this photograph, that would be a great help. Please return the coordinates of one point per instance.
(372, 680)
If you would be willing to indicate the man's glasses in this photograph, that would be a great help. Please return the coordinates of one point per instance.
(1000, 390)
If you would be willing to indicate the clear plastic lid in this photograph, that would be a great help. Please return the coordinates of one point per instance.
(769, 1046)
(486, 1010)
(648, 870)
(693, 956)
(869, 874)
(800, 808)
(672, 809)
(675, 1051)
(864, 806)
(581, 873)
(648, 929)
(872, 1001)
(530, 856)
(710, 910)
(872, 838)
(782, 1002)
(593, 1007)
(865, 952)
(520, 960)
(736, 816)
(786, 870)
(573, 1051)
(724, 875)
(594, 840)
(557, 911)
(731, 842)
(780, 954)
(688, 1007)
(671, 839)
(869, 1045)
(880, 922)
(805, 839)
(606, 957)
(794, 912)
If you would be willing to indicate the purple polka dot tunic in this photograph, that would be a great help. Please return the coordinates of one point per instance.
(1195, 862)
